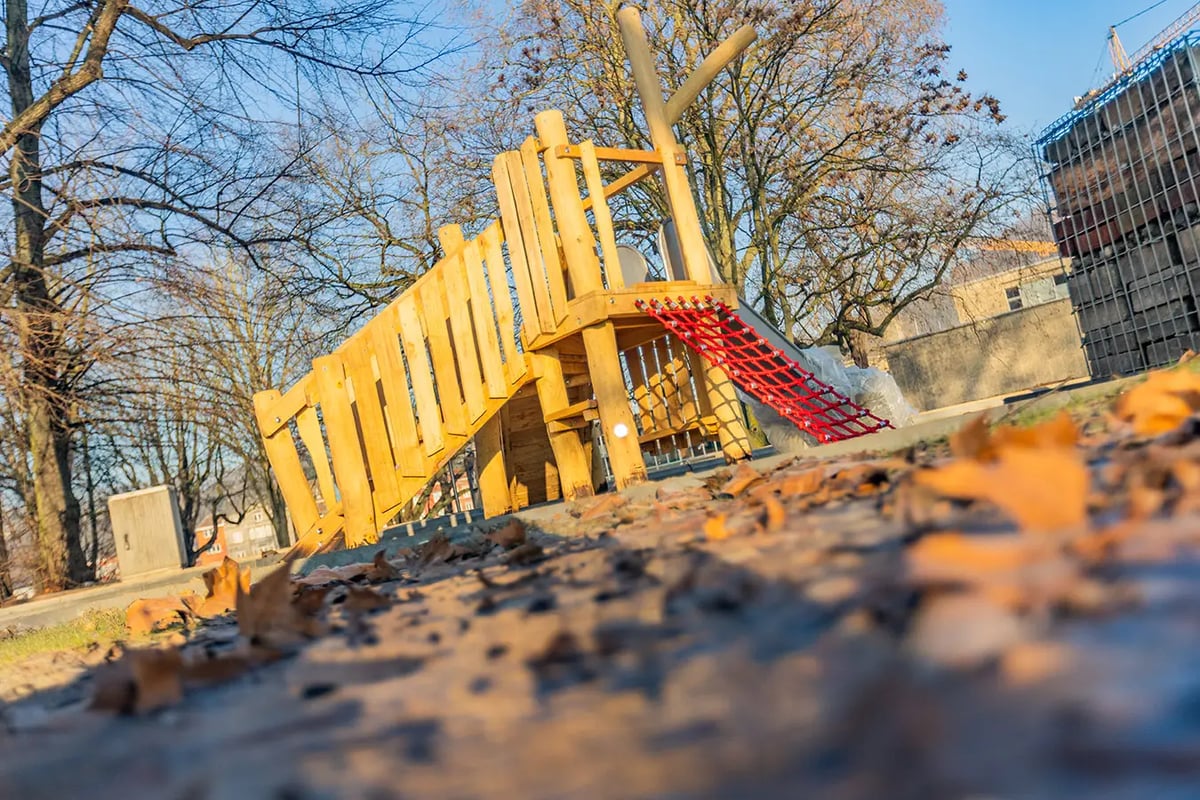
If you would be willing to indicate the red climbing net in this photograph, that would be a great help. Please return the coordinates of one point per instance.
(713, 330)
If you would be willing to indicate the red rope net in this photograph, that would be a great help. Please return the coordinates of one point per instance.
(714, 331)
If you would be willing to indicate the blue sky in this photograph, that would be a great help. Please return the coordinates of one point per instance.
(1036, 56)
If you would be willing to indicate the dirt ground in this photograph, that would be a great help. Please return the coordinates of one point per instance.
(1010, 615)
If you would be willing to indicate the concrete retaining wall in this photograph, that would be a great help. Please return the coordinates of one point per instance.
(1007, 354)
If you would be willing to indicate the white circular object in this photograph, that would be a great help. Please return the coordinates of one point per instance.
(620, 430)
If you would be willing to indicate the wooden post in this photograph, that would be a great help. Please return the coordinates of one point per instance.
(679, 191)
(579, 246)
(349, 467)
(492, 475)
(612, 401)
(735, 440)
(574, 468)
(285, 463)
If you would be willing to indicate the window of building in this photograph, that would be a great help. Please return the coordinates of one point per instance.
(1060, 279)
(258, 516)
(236, 537)
(1013, 293)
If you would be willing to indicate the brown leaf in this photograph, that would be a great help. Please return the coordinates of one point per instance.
(435, 551)
(267, 616)
(146, 616)
(140, 682)
(324, 575)
(601, 506)
(381, 569)
(744, 476)
(222, 584)
(1040, 490)
(362, 599)
(1164, 400)
(978, 441)
(528, 553)
(716, 529)
(801, 483)
(774, 514)
(510, 536)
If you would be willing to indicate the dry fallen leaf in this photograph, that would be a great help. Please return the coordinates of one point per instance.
(801, 483)
(140, 682)
(977, 440)
(1040, 489)
(510, 536)
(528, 553)
(381, 569)
(267, 615)
(715, 528)
(1164, 400)
(774, 514)
(744, 476)
(145, 616)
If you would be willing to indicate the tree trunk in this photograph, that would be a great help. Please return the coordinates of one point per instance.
(859, 349)
(6, 586)
(39, 331)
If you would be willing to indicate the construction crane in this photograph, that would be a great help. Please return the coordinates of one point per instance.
(1123, 62)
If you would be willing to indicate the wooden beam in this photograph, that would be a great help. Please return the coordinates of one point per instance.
(579, 409)
(708, 70)
(612, 399)
(574, 467)
(493, 477)
(602, 216)
(579, 246)
(679, 191)
(624, 182)
(617, 154)
(349, 467)
(285, 462)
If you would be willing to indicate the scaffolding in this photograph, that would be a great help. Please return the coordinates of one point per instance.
(1123, 173)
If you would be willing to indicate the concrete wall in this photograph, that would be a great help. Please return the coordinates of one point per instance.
(985, 297)
(1006, 354)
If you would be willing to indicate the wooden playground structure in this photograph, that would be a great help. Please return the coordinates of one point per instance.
(520, 339)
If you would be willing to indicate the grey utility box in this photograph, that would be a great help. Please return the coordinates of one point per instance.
(147, 531)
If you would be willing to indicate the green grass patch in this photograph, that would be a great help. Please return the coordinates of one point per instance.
(102, 627)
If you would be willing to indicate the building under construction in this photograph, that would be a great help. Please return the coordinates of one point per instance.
(1124, 173)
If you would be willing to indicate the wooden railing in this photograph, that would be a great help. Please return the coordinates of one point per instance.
(381, 415)
(362, 434)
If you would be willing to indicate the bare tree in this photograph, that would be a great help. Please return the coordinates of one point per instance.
(838, 163)
(140, 135)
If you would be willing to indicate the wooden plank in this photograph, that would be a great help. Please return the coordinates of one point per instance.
(434, 319)
(579, 409)
(611, 154)
(361, 375)
(420, 372)
(612, 399)
(682, 378)
(398, 403)
(514, 362)
(545, 227)
(635, 362)
(574, 467)
(579, 246)
(602, 216)
(698, 367)
(513, 235)
(659, 388)
(466, 352)
(349, 467)
(485, 323)
(285, 462)
(493, 478)
(288, 405)
(310, 433)
(538, 269)
(624, 182)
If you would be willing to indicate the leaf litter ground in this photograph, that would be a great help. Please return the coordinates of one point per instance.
(1014, 615)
